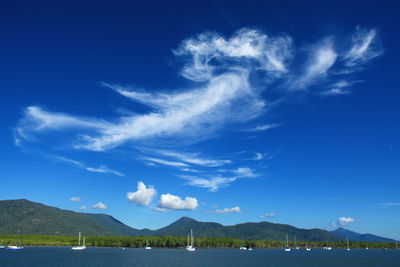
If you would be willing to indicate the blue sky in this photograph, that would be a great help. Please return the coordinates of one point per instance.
(221, 111)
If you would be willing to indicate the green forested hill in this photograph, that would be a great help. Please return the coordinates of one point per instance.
(38, 219)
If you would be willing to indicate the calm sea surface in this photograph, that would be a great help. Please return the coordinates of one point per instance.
(64, 256)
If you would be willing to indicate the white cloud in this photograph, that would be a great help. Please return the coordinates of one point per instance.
(83, 208)
(143, 196)
(267, 215)
(244, 172)
(193, 158)
(321, 59)
(212, 184)
(100, 206)
(104, 169)
(344, 221)
(363, 47)
(166, 162)
(224, 92)
(171, 202)
(226, 210)
(75, 199)
(265, 127)
(258, 156)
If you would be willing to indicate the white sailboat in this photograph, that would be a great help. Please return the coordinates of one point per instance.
(347, 241)
(295, 244)
(1, 244)
(79, 247)
(18, 244)
(308, 248)
(287, 248)
(191, 246)
(327, 247)
(147, 247)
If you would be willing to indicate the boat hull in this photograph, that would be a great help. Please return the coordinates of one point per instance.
(79, 248)
(14, 248)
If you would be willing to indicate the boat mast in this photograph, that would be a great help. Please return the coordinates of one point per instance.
(79, 242)
(191, 235)
(287, 241)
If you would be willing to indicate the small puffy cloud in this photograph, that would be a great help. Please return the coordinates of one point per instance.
(226, 210)
(75, 199)
(171, 202)
(258, 156)
(267, 215)
(143, 196)
(83, 208)
(344, 221)
(100, 206)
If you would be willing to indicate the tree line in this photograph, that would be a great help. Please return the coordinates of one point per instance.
(178, 242)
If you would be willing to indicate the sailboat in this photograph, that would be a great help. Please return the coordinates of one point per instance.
(191, 246)
(397, 248)
(18, 244)
(79, 247)
(308, 248)
(295, 244)
(327, 247)
(243, 247)
(287, 248)
(147, 245)
(1, 244)
(347, 240)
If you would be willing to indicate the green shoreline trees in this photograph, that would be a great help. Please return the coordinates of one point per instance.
(177, 242)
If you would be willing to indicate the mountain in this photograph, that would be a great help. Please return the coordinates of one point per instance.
(353, 236)
(36, 218)
(248, 231)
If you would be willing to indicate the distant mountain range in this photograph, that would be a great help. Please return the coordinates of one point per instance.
(38, 219)
(353, 236)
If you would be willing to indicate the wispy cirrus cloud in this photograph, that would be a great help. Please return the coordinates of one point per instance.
(214, 182)
(100, 169)
(193, 158)
(225, 93)
(390, 204)
(229, 76)
(264, 127)
(104, 169)
(165, 162)
(363, 47)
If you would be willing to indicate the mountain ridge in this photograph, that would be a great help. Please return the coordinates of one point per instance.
(357, 237)
(37, 218)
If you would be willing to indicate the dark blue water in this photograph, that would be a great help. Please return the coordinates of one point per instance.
(64, 256)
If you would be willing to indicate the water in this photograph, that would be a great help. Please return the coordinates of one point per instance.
(64, 256)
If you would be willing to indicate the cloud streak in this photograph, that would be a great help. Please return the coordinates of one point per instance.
(226, 210)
